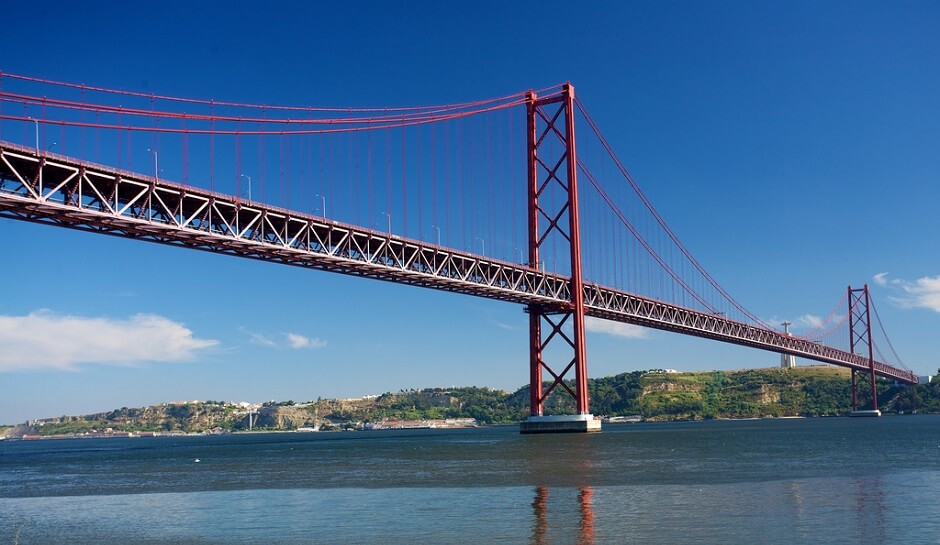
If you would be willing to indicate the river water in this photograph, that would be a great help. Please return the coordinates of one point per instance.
(827, 480)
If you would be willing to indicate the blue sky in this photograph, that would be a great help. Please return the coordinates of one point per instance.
(794, 147)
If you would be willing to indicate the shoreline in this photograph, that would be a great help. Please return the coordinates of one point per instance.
(146, 435)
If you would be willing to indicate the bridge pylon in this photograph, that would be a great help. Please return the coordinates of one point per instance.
(860, 341)
(556, 333)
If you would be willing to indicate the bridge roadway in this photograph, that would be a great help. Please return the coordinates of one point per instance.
(67, 192)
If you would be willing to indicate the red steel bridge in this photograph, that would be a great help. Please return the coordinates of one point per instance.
(489, 198)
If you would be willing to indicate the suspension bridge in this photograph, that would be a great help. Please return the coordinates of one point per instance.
(492, 198)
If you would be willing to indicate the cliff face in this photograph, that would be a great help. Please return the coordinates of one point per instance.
(287, 417)
(184, 417)
(16, 431)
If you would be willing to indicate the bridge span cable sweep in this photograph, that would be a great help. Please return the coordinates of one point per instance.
(489, 198)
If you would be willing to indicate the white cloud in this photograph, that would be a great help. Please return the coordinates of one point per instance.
(800, 323)
(809, 320)
(283, 340)
(922, 293)
(881, 278)
(607, 327)
(299, 341)
(258, 338)
(47, 340)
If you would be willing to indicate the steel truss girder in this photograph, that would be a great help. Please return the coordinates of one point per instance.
(56, 190)
(63, 191)
(609, 304)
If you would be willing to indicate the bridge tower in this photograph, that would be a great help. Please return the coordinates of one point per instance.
(859, 342)
(556, 332)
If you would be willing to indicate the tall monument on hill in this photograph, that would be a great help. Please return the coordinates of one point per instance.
(787, 361)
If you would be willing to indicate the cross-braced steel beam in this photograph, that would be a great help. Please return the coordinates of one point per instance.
(552, 167)
(860, 339)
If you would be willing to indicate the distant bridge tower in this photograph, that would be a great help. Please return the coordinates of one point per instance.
(860, 343)
(787, 361)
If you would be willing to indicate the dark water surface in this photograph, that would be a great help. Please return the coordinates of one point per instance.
(835, 480)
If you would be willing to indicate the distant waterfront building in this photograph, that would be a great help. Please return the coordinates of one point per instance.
(787, 361)
(927, 379)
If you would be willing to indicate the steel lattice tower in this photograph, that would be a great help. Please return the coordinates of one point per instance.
(552, 167)
(860, 337)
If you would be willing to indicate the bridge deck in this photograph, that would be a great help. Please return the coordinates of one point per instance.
(67, 192)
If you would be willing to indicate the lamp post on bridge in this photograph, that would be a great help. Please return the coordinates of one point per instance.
(389, 216)
(249, 186)
(438, 234)
(36, 121)
(483, 242)
(323, 210)
(156, 169)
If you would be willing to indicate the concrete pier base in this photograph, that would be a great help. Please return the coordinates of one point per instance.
(566, 423)
(866, 413)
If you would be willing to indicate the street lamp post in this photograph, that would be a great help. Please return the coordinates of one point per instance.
(249, 186)
(36, 121)
(156, 170)
(322, 198)
(438, 234)
(483, 242)
(389, 216)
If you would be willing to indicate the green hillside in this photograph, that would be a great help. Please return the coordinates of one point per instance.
(652, 395)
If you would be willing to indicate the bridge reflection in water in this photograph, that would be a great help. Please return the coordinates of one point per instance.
(790, 512)
(540, 528)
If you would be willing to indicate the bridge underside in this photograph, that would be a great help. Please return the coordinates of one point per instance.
(63, 191)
